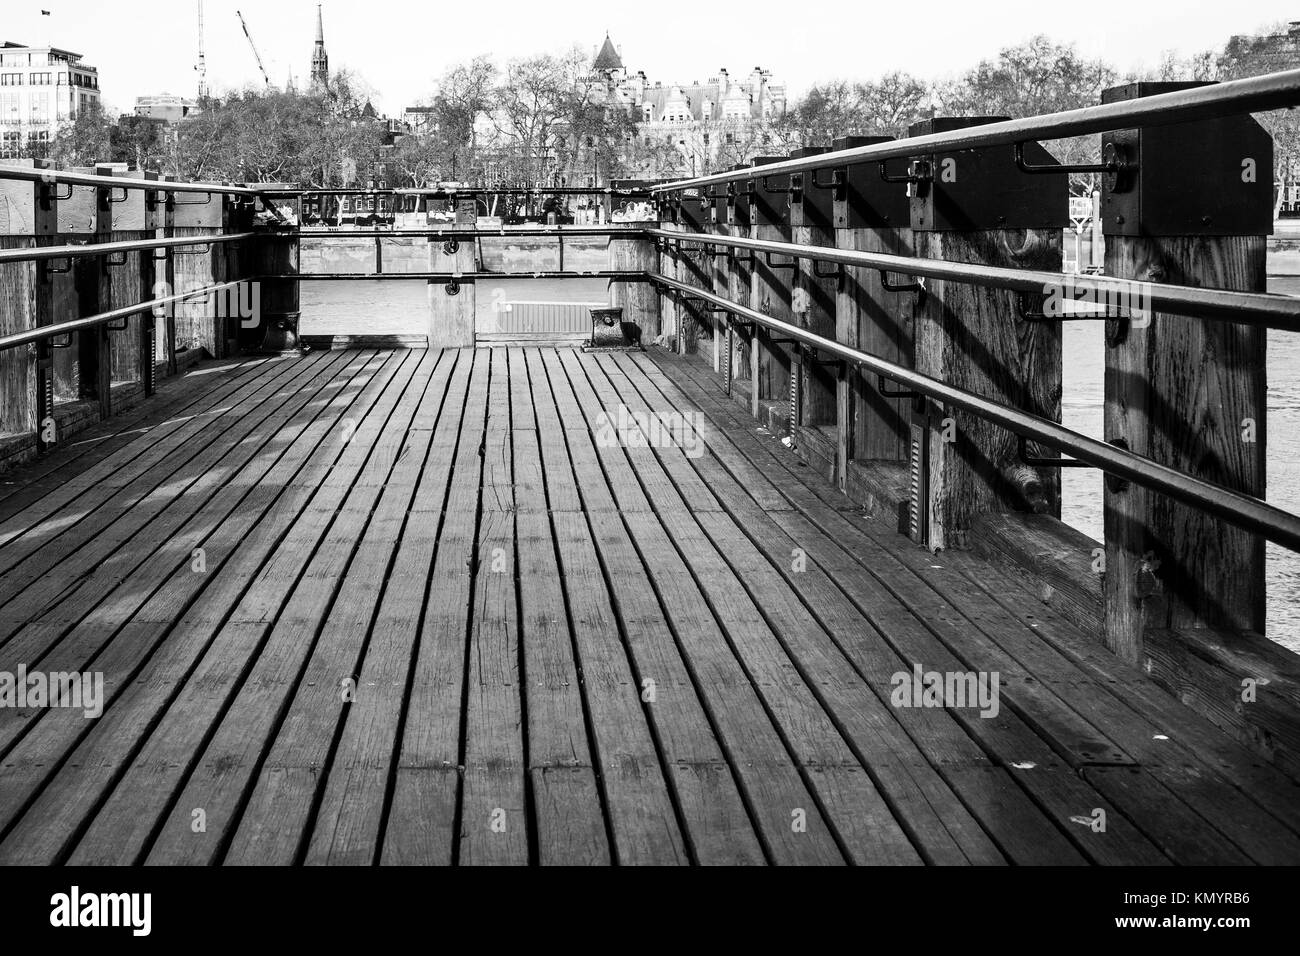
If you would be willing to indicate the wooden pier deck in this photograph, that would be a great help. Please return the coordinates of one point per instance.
(407, 607)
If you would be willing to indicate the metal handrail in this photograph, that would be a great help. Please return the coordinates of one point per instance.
(68, 178)
(28, 336)
(629, 274)
(1243, 510)
(1263, 309)
(445, 192)
(38, 253)
(1252, 95)
(463, 232)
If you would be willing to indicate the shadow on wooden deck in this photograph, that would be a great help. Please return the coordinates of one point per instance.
(447, 607)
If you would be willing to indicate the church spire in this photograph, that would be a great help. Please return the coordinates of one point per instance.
(320, 61)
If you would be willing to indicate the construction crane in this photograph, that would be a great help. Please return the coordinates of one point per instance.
(202, 65)
(257, 56)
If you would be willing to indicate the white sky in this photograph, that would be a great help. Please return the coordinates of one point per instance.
(401, 46)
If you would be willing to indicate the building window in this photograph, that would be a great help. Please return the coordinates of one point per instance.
(11, 79)
(41, 79)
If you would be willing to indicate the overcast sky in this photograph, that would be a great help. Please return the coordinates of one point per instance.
(401, 46)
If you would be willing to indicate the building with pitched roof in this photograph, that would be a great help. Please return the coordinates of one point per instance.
(690, 127)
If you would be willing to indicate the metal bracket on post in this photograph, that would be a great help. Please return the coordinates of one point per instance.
(837, 273)
(917, 286)
(1023, 456)
(788, 188)
(793, 264)
(1111, 164)
(907, 177)
(1030, 315)
(839, 177)
(207, 199)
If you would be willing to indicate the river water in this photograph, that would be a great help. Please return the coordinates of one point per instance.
(392, 307)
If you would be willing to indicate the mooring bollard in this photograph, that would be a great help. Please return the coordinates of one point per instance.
(977, 206)
(1188, 204)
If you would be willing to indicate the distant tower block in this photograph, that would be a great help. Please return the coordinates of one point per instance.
(320, 61)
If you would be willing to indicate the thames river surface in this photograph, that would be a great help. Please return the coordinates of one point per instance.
(392, 307)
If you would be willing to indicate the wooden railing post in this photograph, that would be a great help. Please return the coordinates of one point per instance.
(975, 206)
(168, 278)
(638, 300)
(45, 229)
(739, 266)
(21, 222)
(453, 305)
(95, 294)
(872, 215)
(769, 219)
(715, 267)
(667, 257)
(812, 300)
(127, 221)
(200, 325)
(1193, 208)
(691, 269)
(149, 268)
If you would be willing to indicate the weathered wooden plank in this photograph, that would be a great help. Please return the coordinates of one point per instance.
(175, 397)
(430, 758)
(349, 823)
(275, 820)
(912, 637)
(76, 632)
(1210, 797)
(1021, 827)
(766, 769)
(285, 600)
(110, 743)
(713, 812)
(80, 572)
(642, 821)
